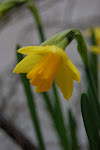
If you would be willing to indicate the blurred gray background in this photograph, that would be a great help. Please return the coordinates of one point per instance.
(19, 27)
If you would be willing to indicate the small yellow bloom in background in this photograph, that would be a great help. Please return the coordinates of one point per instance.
(95, 49)
(96, 31)
(97, 34)
(44, 63)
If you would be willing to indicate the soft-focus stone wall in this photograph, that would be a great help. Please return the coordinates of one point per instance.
(20, 28)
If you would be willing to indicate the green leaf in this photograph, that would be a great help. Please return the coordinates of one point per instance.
(90, 120)
(95, 104)
(94, 62)
(60, 119)
(73, 131)
(54, 117)
(36, 15)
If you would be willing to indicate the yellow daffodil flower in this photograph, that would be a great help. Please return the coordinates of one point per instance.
(96, 31)
(95, 49)
(44, 63)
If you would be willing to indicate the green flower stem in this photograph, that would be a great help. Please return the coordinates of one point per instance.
(60, 119)
(73, 131)
(32, 107)
(82, 49)
(94, 68)
(53, 115)
(35, 13)
(94, 63)
(94, 100)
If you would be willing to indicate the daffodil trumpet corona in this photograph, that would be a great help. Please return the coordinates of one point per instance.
(43, 64)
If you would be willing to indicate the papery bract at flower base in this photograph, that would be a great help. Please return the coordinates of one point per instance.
(43, 64)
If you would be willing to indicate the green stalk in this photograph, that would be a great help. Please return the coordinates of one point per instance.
(31, 105)
(94, 63)
(82, 49)
(54, 117)
(94, 77)
(61, 129)
(73, 131)
(52, 113)
(94, 100)
(35, 13)
(60, 119)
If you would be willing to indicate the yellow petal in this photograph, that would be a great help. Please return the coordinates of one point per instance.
(95, 49)
(37, 89)
(27, 64)
(72, 69)
(29, 50)
(64, 81)
(43, 74)
(97, 34)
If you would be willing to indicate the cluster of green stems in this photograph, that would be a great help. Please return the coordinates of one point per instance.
(62, 40)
